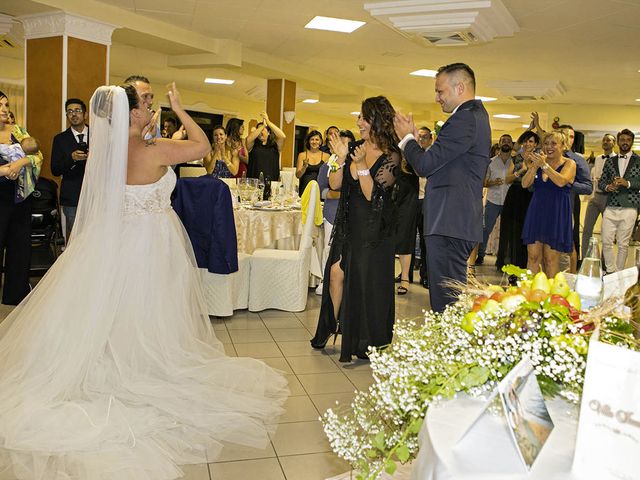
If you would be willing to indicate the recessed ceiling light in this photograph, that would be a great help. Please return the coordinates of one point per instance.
(506, 115)
(637, 99)
(525, 125)
(310, 100)
(355, 113)
(334, 24)
(220, 81)
(486, 99)
(425, 73)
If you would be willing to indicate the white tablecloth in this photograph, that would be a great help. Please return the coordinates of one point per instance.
(267, 229)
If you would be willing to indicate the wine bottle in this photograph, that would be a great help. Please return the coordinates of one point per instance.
(589, 280)
(632, 298)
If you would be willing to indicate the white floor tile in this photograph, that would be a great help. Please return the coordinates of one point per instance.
(263, 469)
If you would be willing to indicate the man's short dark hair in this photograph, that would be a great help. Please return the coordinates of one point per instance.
(137, 78)
(506, 135)
(628, 132)
(77, 101)
(459, 67)
(171, 120)
(425, 128)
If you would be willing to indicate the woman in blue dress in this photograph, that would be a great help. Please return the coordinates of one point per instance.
(547, 230)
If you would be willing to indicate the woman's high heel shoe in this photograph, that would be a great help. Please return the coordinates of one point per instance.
(324, 344)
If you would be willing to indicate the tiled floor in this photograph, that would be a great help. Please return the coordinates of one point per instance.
(299, 449)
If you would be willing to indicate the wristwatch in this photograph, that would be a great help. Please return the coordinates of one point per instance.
(363, 173)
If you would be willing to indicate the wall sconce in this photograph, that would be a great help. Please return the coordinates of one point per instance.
(289, 116)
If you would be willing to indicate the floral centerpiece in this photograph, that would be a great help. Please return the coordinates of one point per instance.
(469, 348)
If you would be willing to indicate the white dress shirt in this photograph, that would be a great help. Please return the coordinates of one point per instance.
(623, 163)
(598, 165)
(84, 132)
(498, 168)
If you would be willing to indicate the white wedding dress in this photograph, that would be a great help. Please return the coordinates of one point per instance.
(110, 369)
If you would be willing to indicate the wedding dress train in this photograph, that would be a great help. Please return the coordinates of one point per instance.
(110, 368)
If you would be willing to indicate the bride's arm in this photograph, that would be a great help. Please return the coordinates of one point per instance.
(196, 146)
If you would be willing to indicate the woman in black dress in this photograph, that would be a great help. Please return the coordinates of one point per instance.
(511, 250)
(408, 208)
(264, 145)
(362, 248)
(310, 161)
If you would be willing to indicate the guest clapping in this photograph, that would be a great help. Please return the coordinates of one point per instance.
(310, 161)
(222, 161)
(547, 227)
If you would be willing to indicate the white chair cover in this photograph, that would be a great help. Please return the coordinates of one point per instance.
(280, 278)
(226, 293)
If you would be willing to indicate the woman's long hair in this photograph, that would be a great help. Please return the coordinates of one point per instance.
(233, 129)
(379, 112)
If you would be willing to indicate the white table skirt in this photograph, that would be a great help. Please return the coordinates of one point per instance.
(487, 451)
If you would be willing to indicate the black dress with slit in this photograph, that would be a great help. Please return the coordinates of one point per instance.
(511, 250)
(363, 242)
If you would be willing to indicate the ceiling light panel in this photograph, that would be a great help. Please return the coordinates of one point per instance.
(219, 81)
(334, 24)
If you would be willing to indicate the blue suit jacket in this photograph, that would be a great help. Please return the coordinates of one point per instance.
(455, 166)
(204, 206)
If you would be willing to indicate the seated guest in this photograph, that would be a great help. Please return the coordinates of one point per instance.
(310, 161)
(547, 227)
(264, 145)
(222, 161)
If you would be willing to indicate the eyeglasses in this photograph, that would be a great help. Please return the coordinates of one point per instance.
(75, 110)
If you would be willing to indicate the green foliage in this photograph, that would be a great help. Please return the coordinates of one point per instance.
(517, 271)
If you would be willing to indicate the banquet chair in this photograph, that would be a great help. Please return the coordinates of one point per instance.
(280, 278)
(205, 207)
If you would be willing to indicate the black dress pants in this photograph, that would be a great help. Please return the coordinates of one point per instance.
(15, 244)
(446, 260)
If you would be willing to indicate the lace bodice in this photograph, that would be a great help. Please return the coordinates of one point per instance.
(151, 198)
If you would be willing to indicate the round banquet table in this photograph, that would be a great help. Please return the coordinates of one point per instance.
(267, 229)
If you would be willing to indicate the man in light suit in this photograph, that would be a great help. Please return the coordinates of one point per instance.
(621, 180)
(69, 154)
(455, 168)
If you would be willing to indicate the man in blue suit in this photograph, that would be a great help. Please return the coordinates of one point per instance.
(455, 168)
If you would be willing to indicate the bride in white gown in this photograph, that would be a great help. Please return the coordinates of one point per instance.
(109, 369)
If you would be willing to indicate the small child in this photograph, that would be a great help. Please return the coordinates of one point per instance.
(16, 151)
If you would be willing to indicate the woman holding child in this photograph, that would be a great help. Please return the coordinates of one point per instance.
(20, 161)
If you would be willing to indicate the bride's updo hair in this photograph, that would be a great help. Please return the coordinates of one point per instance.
(132, 96)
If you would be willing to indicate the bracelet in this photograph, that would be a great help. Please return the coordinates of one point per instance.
(334, 166)
(545, 167)
(363, 173)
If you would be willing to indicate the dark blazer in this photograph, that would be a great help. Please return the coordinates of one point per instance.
(624, 197)
(64, 144)
(455, 166)
(204, 206)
